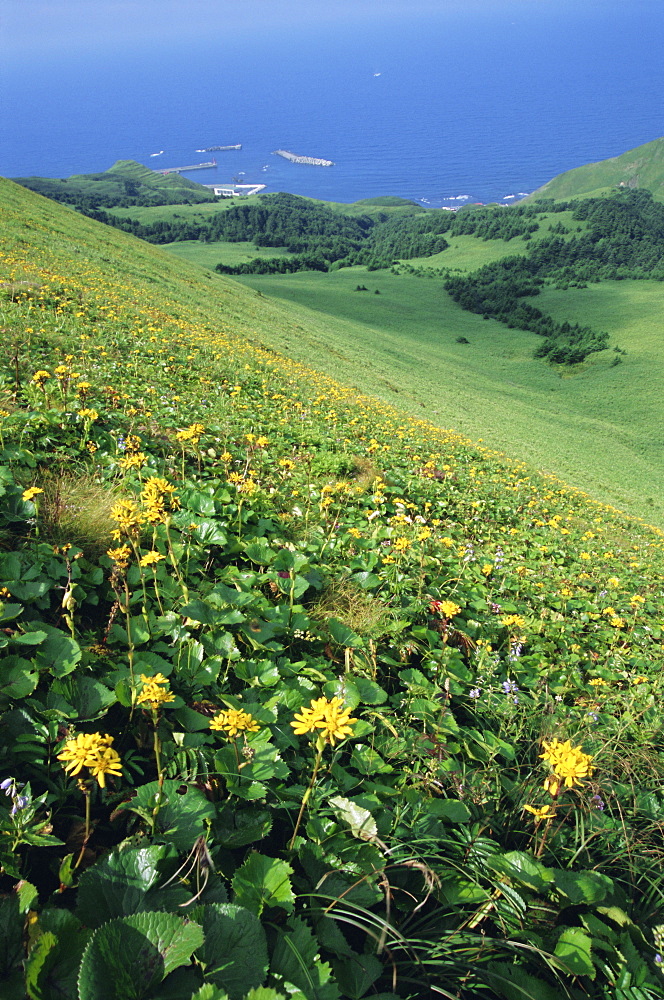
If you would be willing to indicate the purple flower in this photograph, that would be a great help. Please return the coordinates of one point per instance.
(20, 802)
(598, 802)
(510, 687)
(475, 693)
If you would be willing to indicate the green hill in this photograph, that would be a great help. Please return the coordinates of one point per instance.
(642, 167)
(125, 183)
(300, 695)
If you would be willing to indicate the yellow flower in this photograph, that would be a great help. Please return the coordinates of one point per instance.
(329, 717)
(31, 493)
(107, 762)
(402, 544)
(512, 620)
(567, 762)
(120, 556)
(541, 812)
(128, 517)
(234, 721)
(155, 691)
(151, 558)
(94, 752)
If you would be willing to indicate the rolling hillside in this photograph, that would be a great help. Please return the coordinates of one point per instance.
(301, 696)
(642, 167)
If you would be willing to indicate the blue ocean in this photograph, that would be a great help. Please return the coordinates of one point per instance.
(442, 103)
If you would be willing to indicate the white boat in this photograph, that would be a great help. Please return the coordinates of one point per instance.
(157, 154)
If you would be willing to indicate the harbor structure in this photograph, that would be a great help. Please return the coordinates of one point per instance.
(311, 161)
(192, 166)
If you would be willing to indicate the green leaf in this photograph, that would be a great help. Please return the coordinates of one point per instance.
(343, 634)
(200, 612)
(210, 533)
(210, 992)
(234, 955)
(370, 692)
(27, 893)
(89, 698)
(356, 973)
(10, 611)
(130, 880)
(523, 869)
(29, 638)
(17, 678)
(296, 959)
(511, 982)
(260, 552)
(182, 814)
(264, 993)
(51, 970)
(127, 958)
(449, 810)
(11, 935)
(262, 882)
(573, 949)
(59, 653)
(361, 822)
(583, 887)
(235, 827)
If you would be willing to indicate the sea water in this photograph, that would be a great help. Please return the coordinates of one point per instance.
(444, 103)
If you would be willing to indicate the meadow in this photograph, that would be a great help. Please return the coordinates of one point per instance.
(302, 697)
(582, 424)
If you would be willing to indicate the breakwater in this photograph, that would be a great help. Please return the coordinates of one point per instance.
(312, 161)
(192, 166)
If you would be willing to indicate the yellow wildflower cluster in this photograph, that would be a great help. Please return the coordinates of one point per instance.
(155, 692)
(120, 556)
(94, 752)
(512, 621)
(569, 765)
(128, 517)
(39, 378)
(328, 718)
(158, 499)
(233, 721)
(190, 435)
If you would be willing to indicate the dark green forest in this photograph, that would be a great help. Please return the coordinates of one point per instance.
(612, 238)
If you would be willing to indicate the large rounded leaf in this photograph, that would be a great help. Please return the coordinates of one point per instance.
(128, 958)
(130, 880)
(234, 955)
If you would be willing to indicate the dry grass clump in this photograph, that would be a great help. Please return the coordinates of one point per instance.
(76, 508)
(367, 616)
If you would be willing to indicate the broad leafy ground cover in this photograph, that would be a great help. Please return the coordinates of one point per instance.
(301, 697)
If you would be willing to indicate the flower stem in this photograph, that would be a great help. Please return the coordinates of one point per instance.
(306, 796)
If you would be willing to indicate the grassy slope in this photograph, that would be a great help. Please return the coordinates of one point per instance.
(401, 345)
(642, 167)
